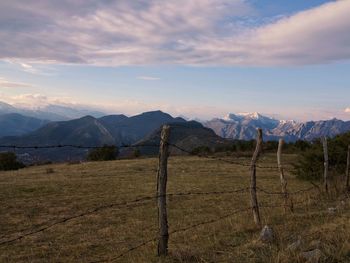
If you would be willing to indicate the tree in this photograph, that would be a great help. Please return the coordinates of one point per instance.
(310, 162)
(105, 153)
(8, 161)
(137, 153)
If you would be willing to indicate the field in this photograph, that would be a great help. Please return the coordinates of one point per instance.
(37, 197)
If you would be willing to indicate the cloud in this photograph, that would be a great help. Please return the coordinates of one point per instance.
(347, 110)
(182, 32)
(11, 84)
(36, 68)
(148, 78)
(37, 100)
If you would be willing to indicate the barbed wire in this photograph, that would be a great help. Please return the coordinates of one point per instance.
(66, 219)
(174, 232)
(289, 193)
(201, 224)
(120, 204)
(128, 204)
(221, 159)
(137, 200)
(211, 221)
(76, 146)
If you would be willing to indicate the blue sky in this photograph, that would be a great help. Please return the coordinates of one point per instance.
(203, 59)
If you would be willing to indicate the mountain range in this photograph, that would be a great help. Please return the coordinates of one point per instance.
(51, 112)
(243, 127)
(107, 130)
(144, 129)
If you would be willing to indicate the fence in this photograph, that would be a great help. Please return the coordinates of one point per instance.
(161, 193)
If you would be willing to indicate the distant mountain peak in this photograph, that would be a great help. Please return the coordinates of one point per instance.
(247, 116)
(254, 115)
(154, 113)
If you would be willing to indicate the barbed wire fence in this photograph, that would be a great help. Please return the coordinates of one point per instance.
(161, 196)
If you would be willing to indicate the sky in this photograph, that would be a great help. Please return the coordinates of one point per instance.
(199, 58)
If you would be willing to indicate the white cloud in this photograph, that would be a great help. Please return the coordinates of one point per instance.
(37, 100)
(133, 107)
(4, 83)
(148, 78)
(33, 67)
(197, 32)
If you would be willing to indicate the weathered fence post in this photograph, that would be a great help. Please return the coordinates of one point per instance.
(282, 177)
(161, 191)
(254, 199)
(326, 163)
(347, 170)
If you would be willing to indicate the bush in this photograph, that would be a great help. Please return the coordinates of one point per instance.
(8, 161)
(137, 153)
(201, 150)
(105, 153)
(310, 162)
(50, 170)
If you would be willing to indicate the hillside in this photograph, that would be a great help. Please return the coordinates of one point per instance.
(132, 129)
(188, 136)
(13, 124)
(207, 228)
(88, 132)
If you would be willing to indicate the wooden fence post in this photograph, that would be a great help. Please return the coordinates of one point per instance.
(253, 196)
(282, 177)
(347, 170)
(161, 192)
(326, 163)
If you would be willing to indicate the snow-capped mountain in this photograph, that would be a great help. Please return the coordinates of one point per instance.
(243, 126)
(253, 119)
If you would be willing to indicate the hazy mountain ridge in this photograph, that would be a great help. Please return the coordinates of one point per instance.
(89, 131)
(243, 127)
(14, 124)
(51, 112)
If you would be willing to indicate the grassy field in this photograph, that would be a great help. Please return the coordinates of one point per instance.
(36, 197)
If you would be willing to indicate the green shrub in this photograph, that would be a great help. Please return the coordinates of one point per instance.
(310, 163)
(137, 153)
(8, 161)
(105, 153)
(201, 150)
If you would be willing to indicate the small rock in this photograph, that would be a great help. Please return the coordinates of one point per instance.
(267, 234)
(332, 210)
(294, 246)
(312, 256)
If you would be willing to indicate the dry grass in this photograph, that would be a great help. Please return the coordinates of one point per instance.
(33, 197)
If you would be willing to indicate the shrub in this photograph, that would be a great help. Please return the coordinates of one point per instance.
(137, 153)
(8, 161)
(310, 162)
(201, 150)
(105, 153)
(50, 170)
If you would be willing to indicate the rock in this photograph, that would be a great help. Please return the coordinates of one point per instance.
(332, 210)
(312, 256)
(267, 235)
(294, 246)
